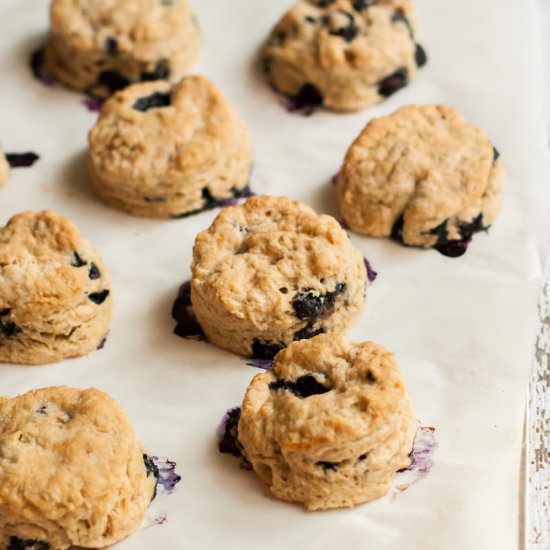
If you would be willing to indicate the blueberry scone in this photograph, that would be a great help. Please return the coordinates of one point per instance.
(101, 46)
(72, 471)
(162, 152)
(55, 297)
(4, 169)
(344, 54)
(423, 176)
(330, 425)
(271, 271)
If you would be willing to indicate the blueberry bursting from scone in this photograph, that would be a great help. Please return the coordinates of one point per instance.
(422, 176)
(55, 299)
(329, 426)
(270, 272)
(342, 54)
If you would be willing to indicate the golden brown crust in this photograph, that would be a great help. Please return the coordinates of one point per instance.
(163, 162)
(423, 164)
(258, 258)
(71, 469)
(332, 449)
(55, 296)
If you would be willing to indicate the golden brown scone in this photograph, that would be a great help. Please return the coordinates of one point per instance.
(4, 169)
(101, 46)
(55, 297)
(345, 54)
(272, 271)
(72, 471)
(164, 152)
(422, 175)
(330, 425)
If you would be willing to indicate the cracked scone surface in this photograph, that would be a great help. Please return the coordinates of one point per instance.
(4, 169)
(72, 471)
(101, 46)
(55, 297)
(330, 425)
(162, 152)
(345, 54)
(422, 175)
(271, 271)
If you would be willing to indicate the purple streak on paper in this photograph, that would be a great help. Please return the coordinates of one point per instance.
(187, 325)
(168, 477)
(101, 344)
(334, 179)
(93, 104)
(371, 274)
(266, 364)
(242, 194)
(21, 160)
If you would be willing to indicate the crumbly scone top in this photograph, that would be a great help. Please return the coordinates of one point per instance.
(39, 271)
(134, 27)
(422, 162)
(152, 128)
(320, 393)
(256, 257)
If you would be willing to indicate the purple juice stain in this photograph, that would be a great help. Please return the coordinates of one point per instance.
(21, 160)
(187, 325)
(424, 447)
(334, 179)
(93, 104)
(38, 68)
(101, 344)
(244, 193)
(371, 274)
(168, 477)
(265, 364)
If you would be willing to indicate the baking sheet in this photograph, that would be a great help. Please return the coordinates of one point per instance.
(462, 329)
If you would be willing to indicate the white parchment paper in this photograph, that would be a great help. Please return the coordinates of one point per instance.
(462, 329)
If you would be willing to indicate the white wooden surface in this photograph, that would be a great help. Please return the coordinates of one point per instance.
(537, 494)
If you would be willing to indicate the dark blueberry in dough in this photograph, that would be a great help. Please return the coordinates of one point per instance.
(304, 387)
(310, 19)
(308, 332)
(457, 248)
(94, 272)
(154, 199)
(400, 17)
(362, 457)
(4, 312)
(420, 56)
(349, 32)
(113, 81)
(397, 229)
(327, 465)
(27, 544)
(307, 100)
(182, 312)
(10, 329)
(496, 154)
(42, 410)
(153, 101)
(78, 261)
(371, 379)
(360, 5)
(21, 160)
(392, 83)
(266, 350)
(98, 297)
(111, 45)
(325, 3)
(307, 304)
(152, 469)
(160, 72)
(229, 442)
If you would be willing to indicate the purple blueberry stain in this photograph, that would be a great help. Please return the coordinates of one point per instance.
(93, 104)
(168, 478)
(101, 344)
(259, 363)
(424, 448)
(334, 179)
(21, 160)
(371, 273)
(308, 100)
(38, 68)
(187, 325)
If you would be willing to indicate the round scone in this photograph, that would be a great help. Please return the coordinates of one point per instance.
(330, 425)
(4, 169)
(423, 176)
(72, 471)
(271, 271)
(54, 291)
(165, 152)
(343, 54)
(101, 46)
